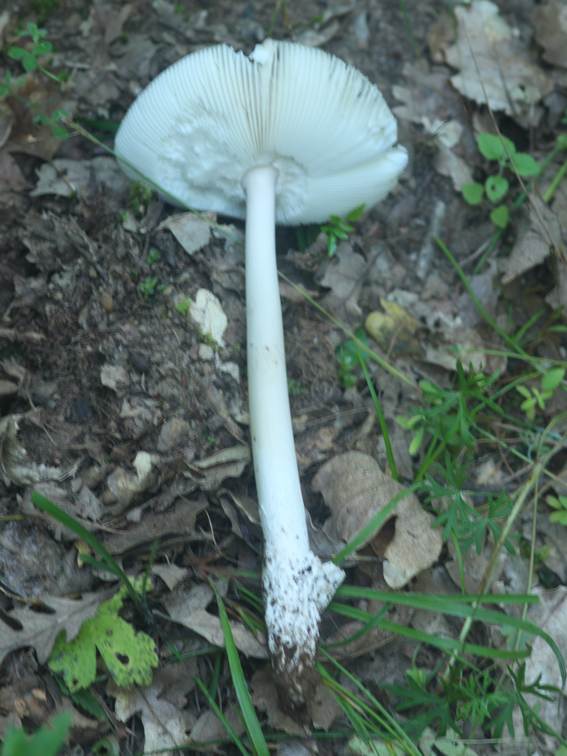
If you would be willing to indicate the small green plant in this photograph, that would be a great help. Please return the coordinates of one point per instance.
(534, 397)
(154, 255)
(32, 57)
(183, 305)
(470, 702)
(128, 655)
(295, 387)
(338, 228)
(559, 504)
(180, 10)
(348, 355)
(47, 741)
(502, 152)
(44, 8)
(53, 121)
(463, 519)
(148, 286)
(208, 340)
(446, 415)
(139, 196)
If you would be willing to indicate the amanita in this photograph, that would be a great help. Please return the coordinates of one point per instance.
(291, 135)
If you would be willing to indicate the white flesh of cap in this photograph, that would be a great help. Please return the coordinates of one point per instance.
(207, 120)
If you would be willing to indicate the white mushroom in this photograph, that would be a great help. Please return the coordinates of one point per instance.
(291, 135)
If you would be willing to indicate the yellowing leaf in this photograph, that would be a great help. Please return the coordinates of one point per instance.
(128, 655)
(393, 326)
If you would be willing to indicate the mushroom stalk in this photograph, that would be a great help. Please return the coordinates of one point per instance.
(297, 585)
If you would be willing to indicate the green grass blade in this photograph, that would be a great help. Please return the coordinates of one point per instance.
(432, 601)
(381, 419)
(378, 711)
(221, 717)
(462, 606)
(448, 645)
(240, 687)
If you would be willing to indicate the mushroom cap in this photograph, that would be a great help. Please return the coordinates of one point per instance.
(204, 122)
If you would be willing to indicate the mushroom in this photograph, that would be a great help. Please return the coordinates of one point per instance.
(291, 135)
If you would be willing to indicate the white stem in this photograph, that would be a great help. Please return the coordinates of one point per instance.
(297, 585)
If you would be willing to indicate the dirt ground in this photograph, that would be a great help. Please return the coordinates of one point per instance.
(116, 403)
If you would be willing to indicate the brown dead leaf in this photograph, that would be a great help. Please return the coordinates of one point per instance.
(67, 501)
(114, 21)
(67, 178)
(104, 25)
(164, 723)
(324, 708)
(115, 377)
(15, 464)
(550, 26)
(124, 486)
(209, 727)
(449, 341)
(7, 388)
(265, 697)
(173, 434)
(343, 275)
(39, 629)
(87, 505)
(4, 20)
(441, 35)
(355, 489)
(429, 101)
(486, 291)
(36, 95)
(326, 25)
(34, 564)
(476, 565)
(549, 615)
(227, 463)
(541, 237)
(11, 334)
(246, 506)
(171, 574)
(464, 345)
(6, 123)
(180, 519)
(318, 37)
(494, 65)
(182, 609)
(447, 162)
(192, 231)
(558, 297)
